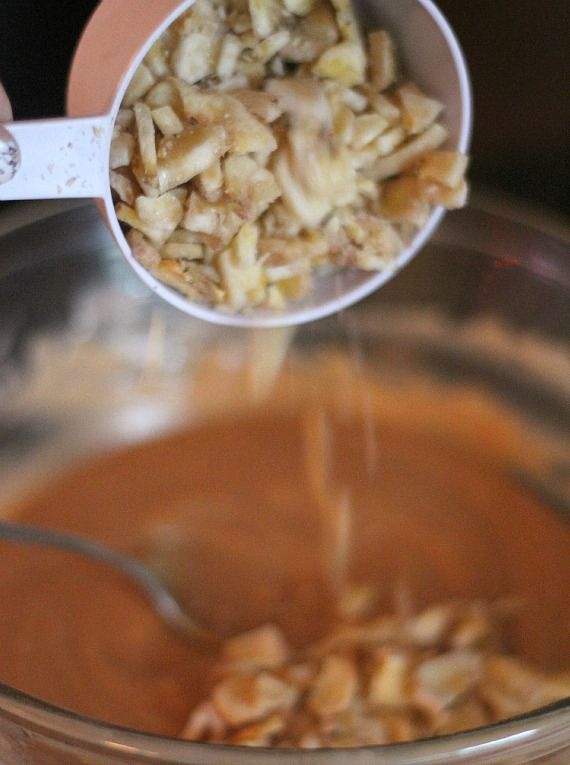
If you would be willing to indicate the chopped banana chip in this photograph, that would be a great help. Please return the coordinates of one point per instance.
(156, 232)
(148, 184)
(210, 182)
(194, 58)
(334, 688)
(353, 99)
(265, 16)
(159, 216)
(177, 250)
(147, 255)
(302, 100)
(418, 111)
(345, 62)
(122, 150)
(367, 188)
(244, 246)
(313, 178)
(125, 187)
(191, 279)
(385, 107)
(366, 128)
(245, 133)
(430, 627)
(156, 60)
(300, 7)
(275, 299)
(380, 243)
(275, 274)
(261, 733)
(184, 156)
(383, 61)
(451, 199)
(245, 699)
(389, 141)
(262, 648)
(201, 217)
(124, 119)
(239, 21)
(142, 81)
(146, 138)
(440, 682)
(238, 282)
(271, 46)
(231, 48)
(215, 224)
(241, 272)
(404, 157)
(343, 127)
(254, 188)
(403, 201)
(346, 20)
(167, 121)
(312, 36)
(164, 93)
(204, 723)
(260, 104)
(390, 680)
(203, 16)
(444, 167)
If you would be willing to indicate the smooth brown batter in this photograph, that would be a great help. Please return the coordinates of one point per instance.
(226, 511)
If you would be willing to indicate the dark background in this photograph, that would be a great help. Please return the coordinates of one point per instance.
(518, 53)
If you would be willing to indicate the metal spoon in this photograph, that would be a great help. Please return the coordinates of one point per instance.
(46, 159)
(158, 594)
(550, 488)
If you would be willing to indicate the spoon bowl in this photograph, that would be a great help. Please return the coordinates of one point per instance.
(70, 157)
(159, 596)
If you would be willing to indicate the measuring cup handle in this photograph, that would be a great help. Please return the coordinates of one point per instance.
(52, 159)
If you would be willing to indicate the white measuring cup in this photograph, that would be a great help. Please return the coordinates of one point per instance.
(69, 157)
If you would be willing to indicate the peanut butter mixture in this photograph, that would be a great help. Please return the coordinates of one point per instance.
(245, 546)
(378, 570)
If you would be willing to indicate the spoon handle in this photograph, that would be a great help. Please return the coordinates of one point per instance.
(160, 597)
(55, 158)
